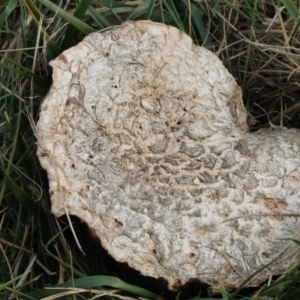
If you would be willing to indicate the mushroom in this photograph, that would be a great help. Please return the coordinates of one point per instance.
(144, 137)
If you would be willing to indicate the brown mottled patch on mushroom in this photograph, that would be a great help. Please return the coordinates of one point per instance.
(275, 204)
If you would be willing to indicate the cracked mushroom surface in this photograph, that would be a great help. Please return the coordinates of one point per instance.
(144, 137)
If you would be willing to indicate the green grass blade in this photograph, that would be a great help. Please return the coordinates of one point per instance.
(98, 18)
(22, 71)
(297, 242)
(22, 295)
(150, 9)
(116, 11)
(236, 9)
(71, 30)
(10, 6)
(292, 9)
(173, 12)
(8, 283)
(80, 25)
(141, 9)
(215, 4)
(37, 17)
(93, 282)
(199, 25)
(113, 4)
(236, 292)
(23, 197)
(4, 128)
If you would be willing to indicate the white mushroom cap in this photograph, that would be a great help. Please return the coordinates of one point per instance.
(144, 137)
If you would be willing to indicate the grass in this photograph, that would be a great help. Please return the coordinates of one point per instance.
(258, 42)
